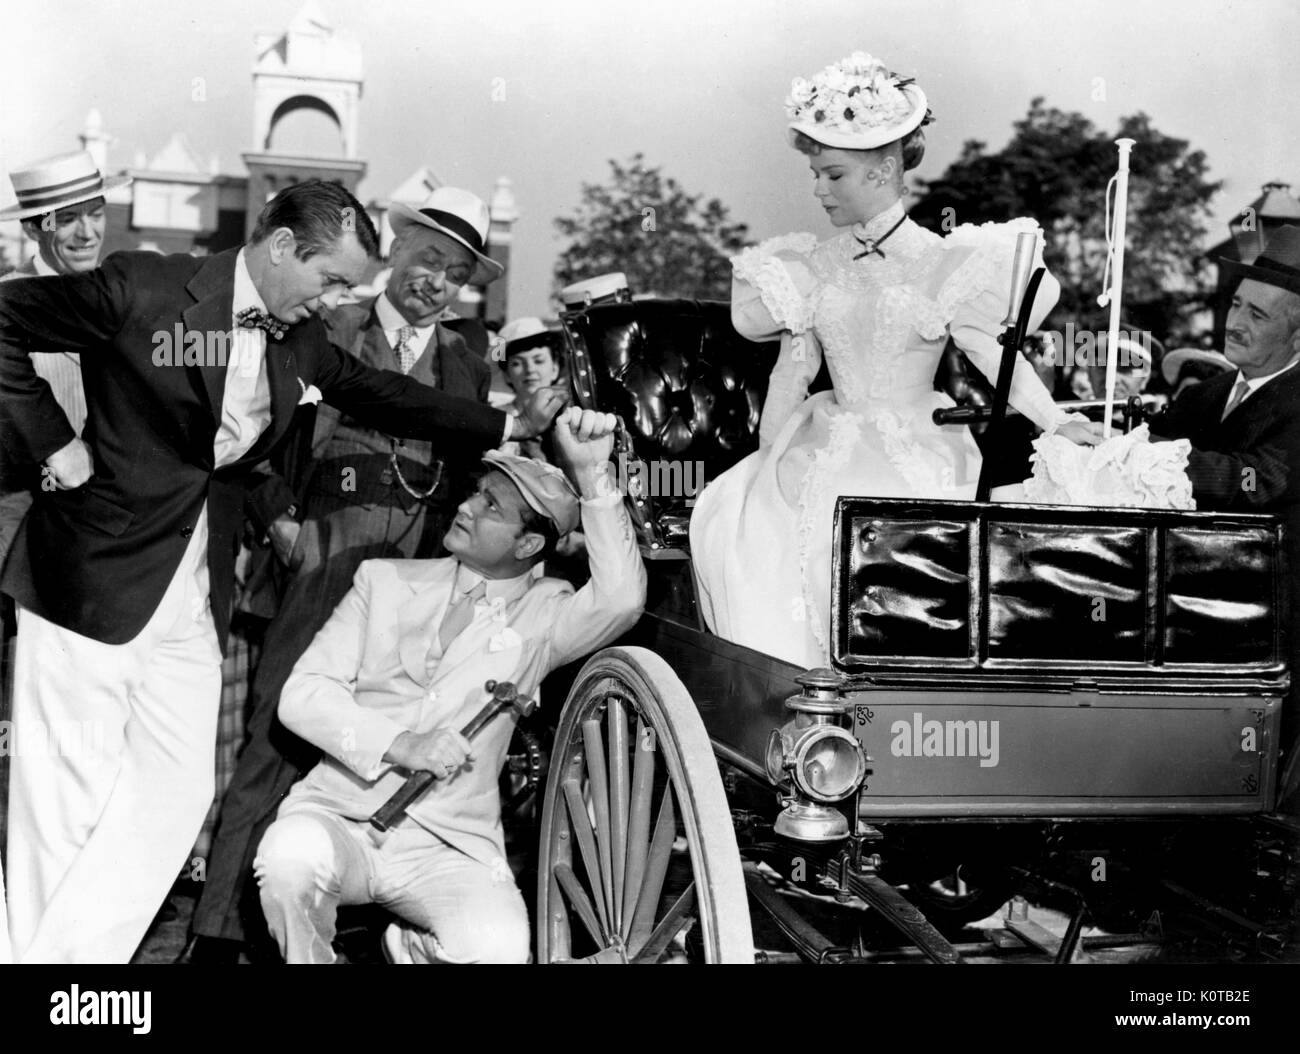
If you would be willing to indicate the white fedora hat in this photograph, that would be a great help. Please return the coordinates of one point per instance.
(56, 183)
(460, 215)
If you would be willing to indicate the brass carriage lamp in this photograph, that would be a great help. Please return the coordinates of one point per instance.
(814, 760)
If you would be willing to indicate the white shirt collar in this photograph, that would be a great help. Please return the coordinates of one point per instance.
(1254, 384)
(246, 294)
(391, 319)
(507, 589)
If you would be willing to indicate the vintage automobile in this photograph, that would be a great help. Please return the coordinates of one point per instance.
(1083, 703)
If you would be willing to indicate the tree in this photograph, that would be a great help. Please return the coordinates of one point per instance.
(644, 224)
(1055, 169)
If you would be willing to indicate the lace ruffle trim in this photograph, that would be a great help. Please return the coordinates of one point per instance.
(1128, 471)
(987, 267)
(844, 431)
(766, 272)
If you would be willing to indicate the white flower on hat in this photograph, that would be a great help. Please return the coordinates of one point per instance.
(854, 98)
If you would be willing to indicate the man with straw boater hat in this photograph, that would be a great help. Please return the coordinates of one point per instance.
(364, 495)
(123, 573)
(61, 206)
(1244, 425)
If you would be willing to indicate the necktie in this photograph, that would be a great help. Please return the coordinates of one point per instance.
(1238, 394)
(460, 614)
(256, 318)
(405, 351)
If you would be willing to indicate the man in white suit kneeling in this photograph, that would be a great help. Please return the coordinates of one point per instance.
(399, 667)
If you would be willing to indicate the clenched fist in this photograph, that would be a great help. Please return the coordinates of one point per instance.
(442, 752)
(584, 440)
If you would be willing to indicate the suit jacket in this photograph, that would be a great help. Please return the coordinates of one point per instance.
(98, 559)
(1249, 462)
(367, 676)
(447, 364)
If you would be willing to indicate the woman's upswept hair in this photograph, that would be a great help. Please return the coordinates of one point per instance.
(911, 147)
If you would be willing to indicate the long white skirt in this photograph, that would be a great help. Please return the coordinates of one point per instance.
(761, 533)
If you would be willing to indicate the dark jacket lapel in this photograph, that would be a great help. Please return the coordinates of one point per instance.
(372, 347)
(213, 289)
(453, 375)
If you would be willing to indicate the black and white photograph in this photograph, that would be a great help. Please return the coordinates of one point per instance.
(738, 482)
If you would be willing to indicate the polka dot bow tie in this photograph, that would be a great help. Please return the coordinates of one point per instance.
(256, 318)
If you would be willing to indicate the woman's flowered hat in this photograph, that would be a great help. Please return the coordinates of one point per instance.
(855, 104)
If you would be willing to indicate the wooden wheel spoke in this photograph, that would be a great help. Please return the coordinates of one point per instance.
(616, 720)
(581, 824)
(638, 826)
(661, 850)
(598, 789)
(669, 926)
(581, 903)
(633, 771)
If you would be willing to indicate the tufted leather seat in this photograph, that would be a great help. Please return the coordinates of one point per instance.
(690, 390)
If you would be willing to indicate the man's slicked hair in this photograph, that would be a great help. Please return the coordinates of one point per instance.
(319, 213)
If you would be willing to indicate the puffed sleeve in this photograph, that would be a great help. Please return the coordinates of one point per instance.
(973, 298)
(771, 295)
(772, 286)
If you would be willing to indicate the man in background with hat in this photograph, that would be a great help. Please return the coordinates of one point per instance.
(61, 206)
(1244, 425)
(399, 666)
(123, 574)
(365, 495)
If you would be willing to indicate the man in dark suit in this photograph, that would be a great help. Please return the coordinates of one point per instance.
(1244, 425)
(366, 496)
(123, 575)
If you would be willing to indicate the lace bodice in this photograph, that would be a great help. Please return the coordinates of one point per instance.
(882, 322)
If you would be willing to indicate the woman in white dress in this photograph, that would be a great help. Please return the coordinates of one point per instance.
(879, 301)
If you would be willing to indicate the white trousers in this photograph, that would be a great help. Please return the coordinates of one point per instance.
(456, 910)
(112, 772)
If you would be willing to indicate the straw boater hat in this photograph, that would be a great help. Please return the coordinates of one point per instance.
(855, 104)
(603, 289)
(461, 216)
(1172, 364)
(57, 183)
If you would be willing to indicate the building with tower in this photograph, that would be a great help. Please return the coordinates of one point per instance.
(307, 88)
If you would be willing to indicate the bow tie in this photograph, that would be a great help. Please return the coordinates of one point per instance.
(872, 245)
(256, 318)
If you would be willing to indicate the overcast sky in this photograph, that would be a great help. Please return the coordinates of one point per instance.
(696, 85)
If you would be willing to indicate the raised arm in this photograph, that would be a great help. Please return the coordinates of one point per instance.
(612, 600)
(399, 405)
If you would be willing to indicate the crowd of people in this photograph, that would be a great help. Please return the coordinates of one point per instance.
(338, 436)
(404, 522)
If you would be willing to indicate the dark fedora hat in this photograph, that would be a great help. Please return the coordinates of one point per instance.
(1278, 264)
